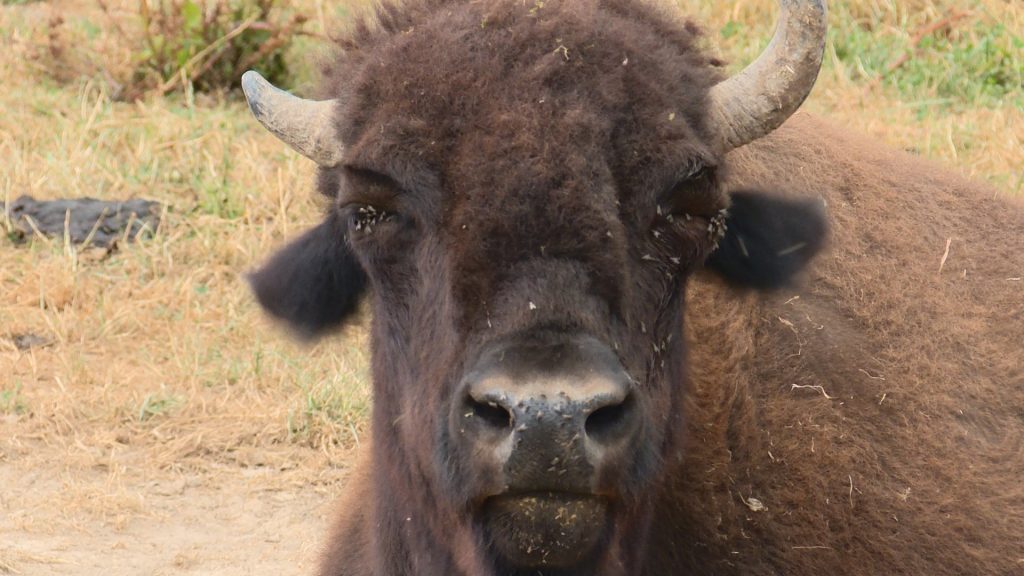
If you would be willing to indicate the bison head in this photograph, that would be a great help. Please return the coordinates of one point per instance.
(523, 189)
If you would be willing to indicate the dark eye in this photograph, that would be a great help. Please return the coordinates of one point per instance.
(696, 194)
(363, 219)
(703, 174)
(368, 200)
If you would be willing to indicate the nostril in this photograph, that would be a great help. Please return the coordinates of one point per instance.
(608, 422)
(490, 413)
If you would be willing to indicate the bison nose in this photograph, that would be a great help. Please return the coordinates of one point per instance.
(603, 406)
(553, 413)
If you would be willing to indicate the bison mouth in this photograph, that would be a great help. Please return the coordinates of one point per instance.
(546, 529)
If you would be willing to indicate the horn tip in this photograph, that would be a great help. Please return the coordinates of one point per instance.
(253, 85)
(250, 79)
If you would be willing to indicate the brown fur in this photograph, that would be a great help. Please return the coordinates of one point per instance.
(526, 147)
(914, 465)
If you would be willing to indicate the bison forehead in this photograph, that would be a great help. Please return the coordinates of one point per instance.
(566, 80)
(545, 130)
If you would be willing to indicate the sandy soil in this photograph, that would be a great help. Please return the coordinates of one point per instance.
(61, 519)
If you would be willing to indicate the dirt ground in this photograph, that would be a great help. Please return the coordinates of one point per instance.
(180, 524)
(86, 510)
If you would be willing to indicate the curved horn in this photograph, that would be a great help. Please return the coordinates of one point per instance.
(305, 125)
(759, 99)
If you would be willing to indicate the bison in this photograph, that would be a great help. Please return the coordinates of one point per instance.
(601, 344)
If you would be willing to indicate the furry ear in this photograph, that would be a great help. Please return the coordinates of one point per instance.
(768, 239)
(314, 283)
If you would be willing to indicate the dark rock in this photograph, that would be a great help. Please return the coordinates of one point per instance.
(29, 340)
(109, 219)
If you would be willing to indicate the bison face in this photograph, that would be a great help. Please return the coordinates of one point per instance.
(528, 355)
(525, 191)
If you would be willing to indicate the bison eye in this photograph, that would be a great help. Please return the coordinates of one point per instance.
(700, 173)
(364, 218)
(696, 194)
(368, 200)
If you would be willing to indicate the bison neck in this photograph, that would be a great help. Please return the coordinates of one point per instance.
(700, 510)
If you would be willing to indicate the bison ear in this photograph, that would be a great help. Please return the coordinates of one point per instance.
(768, 239)
(314, 283)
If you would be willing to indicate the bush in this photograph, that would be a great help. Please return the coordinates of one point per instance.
(168, 45)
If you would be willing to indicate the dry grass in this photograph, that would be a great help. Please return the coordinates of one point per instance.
(160, 362)
(158, 354)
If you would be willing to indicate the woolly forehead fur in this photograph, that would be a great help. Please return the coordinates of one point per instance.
(521, 126)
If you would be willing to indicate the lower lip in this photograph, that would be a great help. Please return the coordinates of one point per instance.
(546, 528)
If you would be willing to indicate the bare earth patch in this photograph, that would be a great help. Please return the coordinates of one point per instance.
(60, 520)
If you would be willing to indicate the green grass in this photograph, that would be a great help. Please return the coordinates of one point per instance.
(980, 66)
(976, 60)
(158, 404)
(941, 77)
(329, 410)
(11, 400)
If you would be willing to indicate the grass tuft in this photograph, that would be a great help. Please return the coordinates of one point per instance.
(11, 400)
(328, 413)
(157, 404)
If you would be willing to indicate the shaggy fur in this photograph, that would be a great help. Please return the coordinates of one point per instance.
(913, 463)
(514, 167)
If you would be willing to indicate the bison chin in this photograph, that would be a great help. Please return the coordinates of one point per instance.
(546, 529)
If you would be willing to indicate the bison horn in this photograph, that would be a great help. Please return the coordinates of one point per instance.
(305, 125)
(759, 99)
